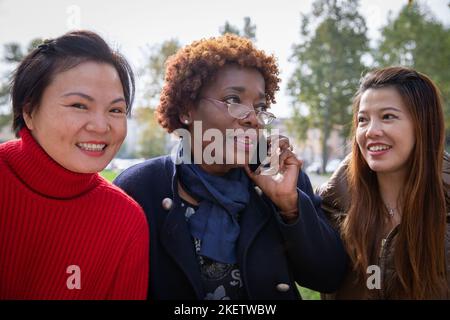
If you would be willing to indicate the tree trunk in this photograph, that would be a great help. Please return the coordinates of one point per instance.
(325, 136)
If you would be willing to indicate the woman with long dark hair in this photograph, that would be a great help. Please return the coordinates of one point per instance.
(395, 216)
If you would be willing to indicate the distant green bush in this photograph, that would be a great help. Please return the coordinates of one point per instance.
(108, 175)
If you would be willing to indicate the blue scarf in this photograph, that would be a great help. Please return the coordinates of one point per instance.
(220, 199)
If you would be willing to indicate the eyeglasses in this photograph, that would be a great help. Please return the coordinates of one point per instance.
(241, 111)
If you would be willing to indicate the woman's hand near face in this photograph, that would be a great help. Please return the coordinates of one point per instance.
(282, 187)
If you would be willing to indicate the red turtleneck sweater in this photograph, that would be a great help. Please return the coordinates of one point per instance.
(66, 235)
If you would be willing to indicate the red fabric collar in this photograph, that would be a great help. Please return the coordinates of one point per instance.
(41, 173)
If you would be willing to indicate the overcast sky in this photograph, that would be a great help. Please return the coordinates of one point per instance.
(134, 24)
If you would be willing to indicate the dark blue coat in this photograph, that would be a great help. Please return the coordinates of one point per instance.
(270, 252)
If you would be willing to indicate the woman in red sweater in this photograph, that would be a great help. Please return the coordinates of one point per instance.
(65, 232)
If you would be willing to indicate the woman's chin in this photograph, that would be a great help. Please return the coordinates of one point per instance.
(86, 168)
(241, 159)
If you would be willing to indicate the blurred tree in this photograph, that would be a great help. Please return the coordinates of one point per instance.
(329, 65)
(228, 28)
(154, 70)
(152, 138)
(249, 30)
(13, 54)
(5, 114)
(416, 39)
(5, 119)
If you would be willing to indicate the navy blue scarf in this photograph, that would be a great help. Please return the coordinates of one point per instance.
(220, 199)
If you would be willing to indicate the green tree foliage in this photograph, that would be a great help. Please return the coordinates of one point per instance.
(416, 39)
(154, 70)
(5, 119)
(152, 138)
(328, 67)
(13, 54)
(5, 114)
(248, 31)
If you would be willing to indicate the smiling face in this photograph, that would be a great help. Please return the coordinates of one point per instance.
(231, 84)
(81, 119)
(385, 132)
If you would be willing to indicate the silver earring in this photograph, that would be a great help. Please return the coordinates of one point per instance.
(186, 121)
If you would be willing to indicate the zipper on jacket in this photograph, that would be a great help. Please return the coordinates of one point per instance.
(382, 259)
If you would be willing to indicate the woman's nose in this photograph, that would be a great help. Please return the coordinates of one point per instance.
(98, 123)
(251, 120)
(374, 129)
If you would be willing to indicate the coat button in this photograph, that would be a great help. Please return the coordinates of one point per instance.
(167, 203)
(283, 287)
(258, 191)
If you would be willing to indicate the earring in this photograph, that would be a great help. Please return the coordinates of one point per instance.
(186, 121)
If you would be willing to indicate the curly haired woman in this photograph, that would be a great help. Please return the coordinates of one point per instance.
(218, 229)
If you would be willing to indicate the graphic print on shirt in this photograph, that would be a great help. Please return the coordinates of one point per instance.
(221, 281)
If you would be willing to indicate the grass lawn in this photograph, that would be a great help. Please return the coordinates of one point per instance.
(108, 175)
(308, 294)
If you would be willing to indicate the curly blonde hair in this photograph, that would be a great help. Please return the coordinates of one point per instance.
(193, 66)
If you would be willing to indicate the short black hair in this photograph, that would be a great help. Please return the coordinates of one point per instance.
(39, 67)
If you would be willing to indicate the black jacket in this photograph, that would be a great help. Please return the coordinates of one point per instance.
(271, 254)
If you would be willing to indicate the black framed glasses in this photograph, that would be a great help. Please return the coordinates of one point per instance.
(241, 111)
